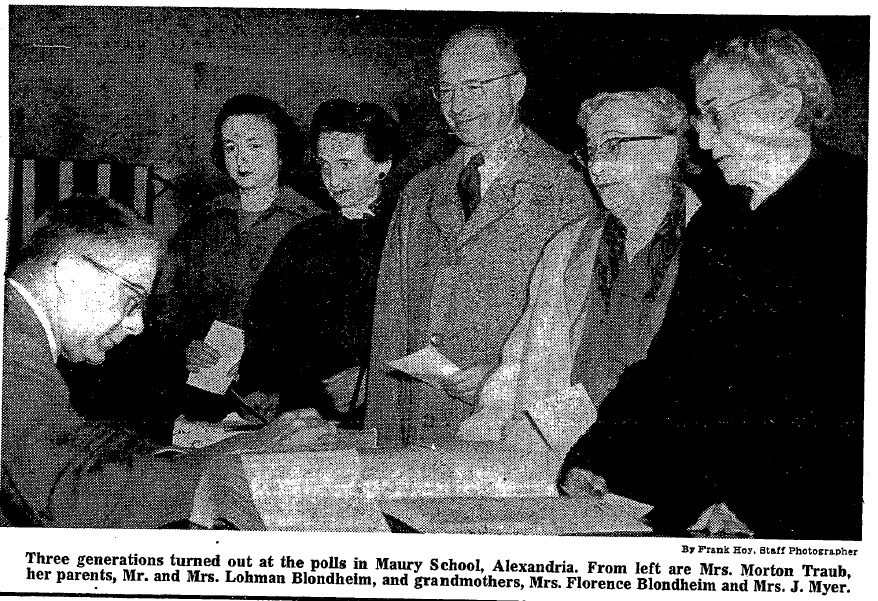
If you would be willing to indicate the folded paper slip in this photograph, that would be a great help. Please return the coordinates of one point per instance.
(562, 419)
(610, 514)
(427, 364)
(229, 342)
(194, 435)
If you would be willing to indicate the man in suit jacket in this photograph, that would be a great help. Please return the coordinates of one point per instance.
(78, 292)
(464, 240)
(751, 396)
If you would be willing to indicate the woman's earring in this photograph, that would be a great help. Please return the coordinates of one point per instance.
(381, 175)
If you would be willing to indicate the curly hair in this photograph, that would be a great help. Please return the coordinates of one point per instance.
(780, 59)
(664, 110)
(290, 146)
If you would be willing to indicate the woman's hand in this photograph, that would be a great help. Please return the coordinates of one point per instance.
(466, 384)
(200, 355)
(583, 483)
(265, 404)
(341, 388)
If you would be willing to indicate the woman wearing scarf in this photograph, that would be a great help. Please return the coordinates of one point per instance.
(599, 293)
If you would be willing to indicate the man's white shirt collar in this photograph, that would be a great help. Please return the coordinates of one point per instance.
(496, 156)
(41, 315)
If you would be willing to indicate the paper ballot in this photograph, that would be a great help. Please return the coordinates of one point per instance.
(563, 418)
(427, 364)
(229, 342)
(608, 514)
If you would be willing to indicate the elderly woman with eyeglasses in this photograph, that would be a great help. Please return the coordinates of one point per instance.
(748, 409)
(599, 293)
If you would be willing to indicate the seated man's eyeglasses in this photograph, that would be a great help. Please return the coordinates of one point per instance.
(609, 149)
(133, 305)
(471, 89)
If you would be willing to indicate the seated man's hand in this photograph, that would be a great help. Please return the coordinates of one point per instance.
(200, 355)
(294, 431)
(718, 520)
(466, 384)
(583, 483)
(302, 430)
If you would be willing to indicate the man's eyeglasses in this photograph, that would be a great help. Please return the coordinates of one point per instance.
(471, 89)
(609, 149)
(712, 118)
(133, 305)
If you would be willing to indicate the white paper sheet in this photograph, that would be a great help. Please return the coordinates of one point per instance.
(427, 364)
(563, 418)
(229, 342)
(520, 515)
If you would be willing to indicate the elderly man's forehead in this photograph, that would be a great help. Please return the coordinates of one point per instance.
(476, 54)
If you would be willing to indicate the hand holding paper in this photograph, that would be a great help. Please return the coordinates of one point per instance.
(428, 365)
(563, 418)
(228, 342)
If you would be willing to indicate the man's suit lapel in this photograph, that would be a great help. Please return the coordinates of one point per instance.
(517, 182)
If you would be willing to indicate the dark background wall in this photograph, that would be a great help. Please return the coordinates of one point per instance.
(143, 84)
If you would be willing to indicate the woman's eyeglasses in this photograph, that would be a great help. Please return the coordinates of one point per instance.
(609, 149)
(712, 118)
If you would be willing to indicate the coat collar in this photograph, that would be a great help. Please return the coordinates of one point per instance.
(524, 177)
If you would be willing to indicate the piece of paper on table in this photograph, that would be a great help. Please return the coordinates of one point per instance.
(427, 364)
(563, 418)
(318, 491)
(719, 519)
(229, 342)
(520, 515)
(195, 435)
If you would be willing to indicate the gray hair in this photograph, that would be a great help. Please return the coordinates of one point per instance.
(781, 60)
(96, 220)
(665, 110)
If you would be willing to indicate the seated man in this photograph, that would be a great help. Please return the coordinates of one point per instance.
(78, 292)
(751, 395)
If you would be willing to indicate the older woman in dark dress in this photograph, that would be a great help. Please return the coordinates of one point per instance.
(308, 323)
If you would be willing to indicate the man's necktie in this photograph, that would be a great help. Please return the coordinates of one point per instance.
(469, 185)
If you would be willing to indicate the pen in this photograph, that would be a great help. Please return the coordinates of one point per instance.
(242, 404)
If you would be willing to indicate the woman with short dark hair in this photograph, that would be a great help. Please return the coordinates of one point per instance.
(309, 321)
(214, 261)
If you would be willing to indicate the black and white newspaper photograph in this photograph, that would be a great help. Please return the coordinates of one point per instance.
(538, 283)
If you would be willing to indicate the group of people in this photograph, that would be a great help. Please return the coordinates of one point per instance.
(717, 333)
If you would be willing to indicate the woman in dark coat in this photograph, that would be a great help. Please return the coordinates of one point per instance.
(213, 262)
(309, 320)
